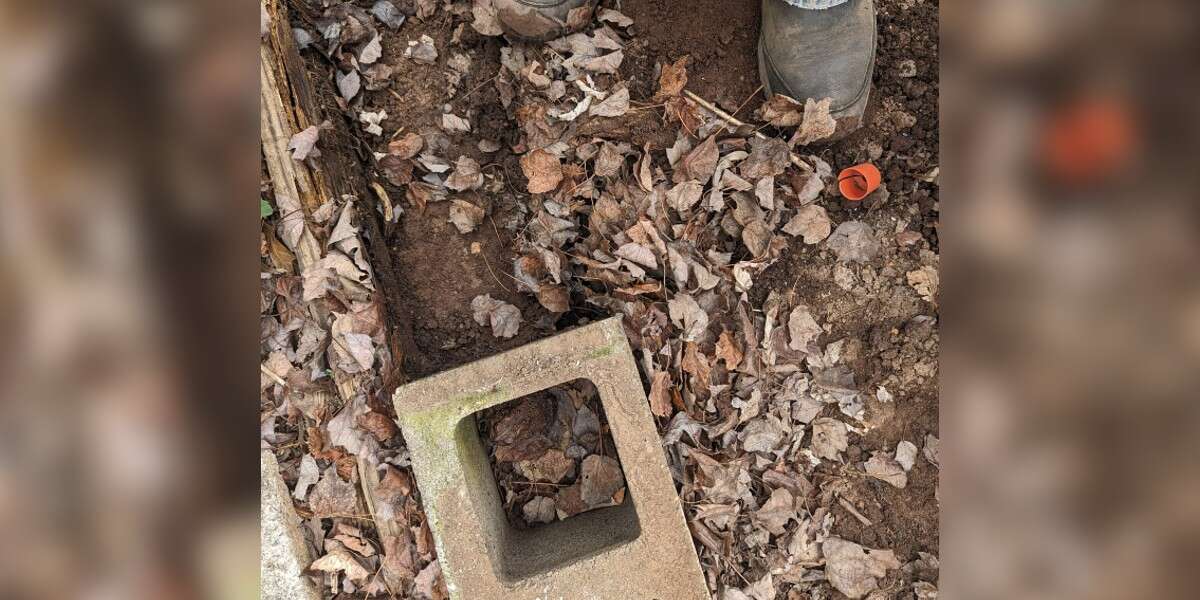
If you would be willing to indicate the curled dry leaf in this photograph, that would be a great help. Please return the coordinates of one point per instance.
(639, 254)
(699, 164)
(685, 195)
(829, 438)
(660, 394)
(687, 315)
(608, 63)
(455, 124)
(885, 468)
(925, 281)
(407, 146)
(486, 22)
(673, 79)
(853, 569)
(727, 350)
(539, 510)
(601, 480)
(466, 175)
(854, 241)
(543, 170)
(341, 560)
(811, 222)
(609, 15)
(348, 84)
(615, 105)
(304, 143)
(777, 511)
(817, 125)
(465, 216)
(504, 318)
(802, 329)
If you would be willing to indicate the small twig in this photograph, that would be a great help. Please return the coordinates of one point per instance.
(854, 511)
(728, 118)
(388, 213)
(747, 100)
(272, 375)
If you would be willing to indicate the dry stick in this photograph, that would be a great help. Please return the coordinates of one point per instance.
(854, 511)
(388, 211)
(728, 118)
(269, 373)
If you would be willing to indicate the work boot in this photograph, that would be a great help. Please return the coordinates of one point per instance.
(537, 19)
(806, 51)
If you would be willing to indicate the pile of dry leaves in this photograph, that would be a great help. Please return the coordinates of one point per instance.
(753, 397)
(552, 454)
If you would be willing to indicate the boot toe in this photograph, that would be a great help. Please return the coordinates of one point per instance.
(817, 54)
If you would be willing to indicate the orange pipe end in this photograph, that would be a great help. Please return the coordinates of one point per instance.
(857, 182)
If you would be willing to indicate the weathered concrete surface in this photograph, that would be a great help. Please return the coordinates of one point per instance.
(284, 553)
(641, 549)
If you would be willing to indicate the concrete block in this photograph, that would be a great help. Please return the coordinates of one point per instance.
(640, 549)
(284, 553)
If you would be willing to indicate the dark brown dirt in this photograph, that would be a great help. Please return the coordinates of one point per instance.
(720, 36)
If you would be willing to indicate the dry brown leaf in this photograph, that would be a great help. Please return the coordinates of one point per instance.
(817, 125)
(853, 569)
(811, 222)
(673, 79)
(609, 63)
(601, 480)
(727, 350)
(333, 497)
(466, 175)
(660, 394)
(303, 144)
(504, 318)
(543, 170)
(782, 111)
(465, 216)
(378, 425)
(803, 329)
(407, 146)
(777, 511)
(341, 560)
(687, 315)
(699, 164)
(885, 468)
(829, 438)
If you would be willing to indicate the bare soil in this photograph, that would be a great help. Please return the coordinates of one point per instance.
(720, 36)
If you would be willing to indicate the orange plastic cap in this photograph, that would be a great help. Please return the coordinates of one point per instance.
(857, 182)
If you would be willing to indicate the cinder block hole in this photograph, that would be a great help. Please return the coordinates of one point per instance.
(550, 478)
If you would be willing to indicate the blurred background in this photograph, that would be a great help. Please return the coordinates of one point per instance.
(128, 277)
(128, 284)
(1071, 309)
